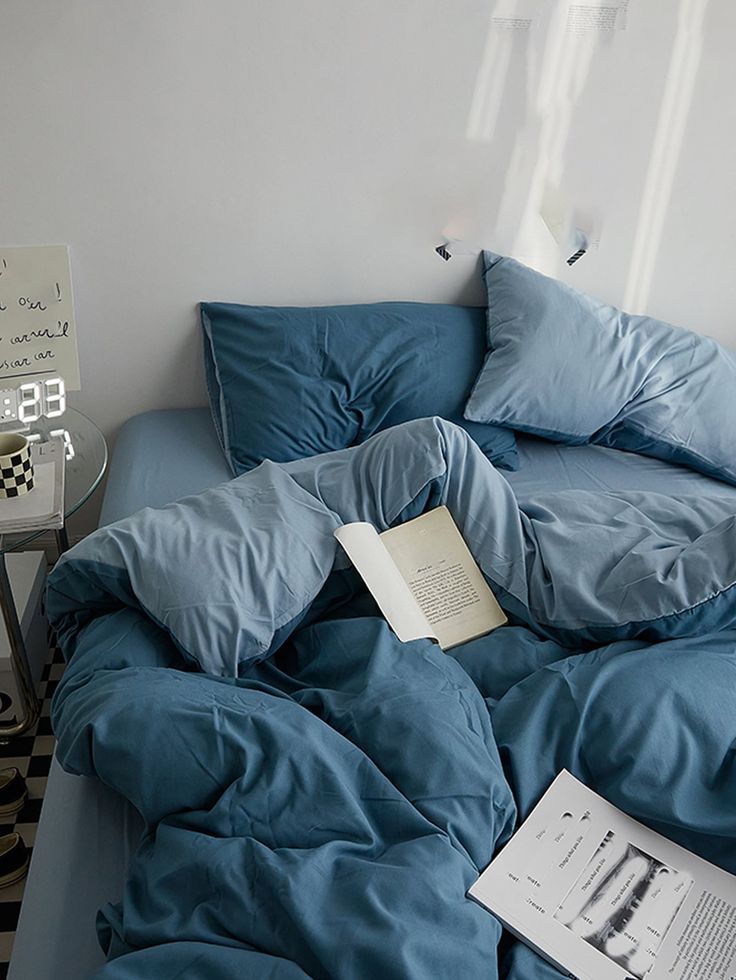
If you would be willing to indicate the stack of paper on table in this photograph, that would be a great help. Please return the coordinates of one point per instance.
(43, 507)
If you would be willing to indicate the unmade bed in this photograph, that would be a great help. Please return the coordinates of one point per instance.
(314, 798)
(88, 832)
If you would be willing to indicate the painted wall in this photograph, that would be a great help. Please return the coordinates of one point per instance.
(300, 153)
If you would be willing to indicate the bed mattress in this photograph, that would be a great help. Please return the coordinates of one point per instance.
(87, 832)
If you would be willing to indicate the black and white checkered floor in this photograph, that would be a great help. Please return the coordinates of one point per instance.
(31, 753)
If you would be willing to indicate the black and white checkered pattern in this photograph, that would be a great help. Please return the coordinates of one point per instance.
(16, 476)
(31, 754)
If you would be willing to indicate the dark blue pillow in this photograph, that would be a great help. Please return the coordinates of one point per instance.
(567, 367)
(288, 382)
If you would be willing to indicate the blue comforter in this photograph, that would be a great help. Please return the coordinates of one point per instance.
(318, 797)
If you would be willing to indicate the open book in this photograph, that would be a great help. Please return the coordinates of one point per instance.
(605, 898)
(424, 578)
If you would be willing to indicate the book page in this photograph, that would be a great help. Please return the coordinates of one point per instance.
(443, 577)
(605, 898)
(368, 553)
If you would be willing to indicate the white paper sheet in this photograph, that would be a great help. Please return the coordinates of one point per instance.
(37, 331)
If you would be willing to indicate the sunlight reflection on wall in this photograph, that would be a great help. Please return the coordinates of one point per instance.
(558, 63)
(666, 150)
(549, 143)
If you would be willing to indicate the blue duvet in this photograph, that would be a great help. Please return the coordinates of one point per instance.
(318, 797)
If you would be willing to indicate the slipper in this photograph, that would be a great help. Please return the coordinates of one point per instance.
(13, 791)
(14, 859)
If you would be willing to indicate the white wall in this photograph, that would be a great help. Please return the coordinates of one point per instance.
(292, 152)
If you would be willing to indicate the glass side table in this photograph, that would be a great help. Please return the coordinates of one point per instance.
(85, 467)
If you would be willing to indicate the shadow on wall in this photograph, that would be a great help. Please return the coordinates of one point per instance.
(535, 67)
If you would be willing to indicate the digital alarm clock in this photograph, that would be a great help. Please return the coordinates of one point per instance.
(31, 400)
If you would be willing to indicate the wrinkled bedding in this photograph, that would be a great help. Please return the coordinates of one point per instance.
(317, 796)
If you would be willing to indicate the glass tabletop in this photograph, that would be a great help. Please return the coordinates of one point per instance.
(86, 461)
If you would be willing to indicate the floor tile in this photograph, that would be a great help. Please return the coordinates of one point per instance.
(42, 745)
(28, 832)
(39, 765)
(36, 784)
(21, 763)
(20, 746)
(9, 912)
(44, 726)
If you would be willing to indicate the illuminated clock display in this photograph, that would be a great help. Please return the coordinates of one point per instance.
(34, 400)
(68, 446)
(29, 401)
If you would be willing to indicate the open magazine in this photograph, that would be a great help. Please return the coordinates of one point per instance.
(605, 898)
(424, 578)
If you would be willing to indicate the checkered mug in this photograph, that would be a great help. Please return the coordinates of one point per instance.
(16, 468)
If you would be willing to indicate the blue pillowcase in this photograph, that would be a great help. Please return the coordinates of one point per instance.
(563, 366)
(289, 382)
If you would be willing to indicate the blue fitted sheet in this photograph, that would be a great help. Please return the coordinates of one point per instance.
(161, 456)
(547, 466)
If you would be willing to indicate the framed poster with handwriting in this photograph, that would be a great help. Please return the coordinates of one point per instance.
(37, 334)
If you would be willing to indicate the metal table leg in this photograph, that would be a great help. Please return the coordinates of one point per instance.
(19, 658)
(62, 540)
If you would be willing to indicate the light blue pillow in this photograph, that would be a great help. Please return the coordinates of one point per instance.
(289, 382)
(563, 366)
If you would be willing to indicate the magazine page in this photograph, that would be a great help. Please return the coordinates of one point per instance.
(605, 898)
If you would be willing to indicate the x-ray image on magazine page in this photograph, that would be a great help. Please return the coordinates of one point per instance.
(624, 903)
